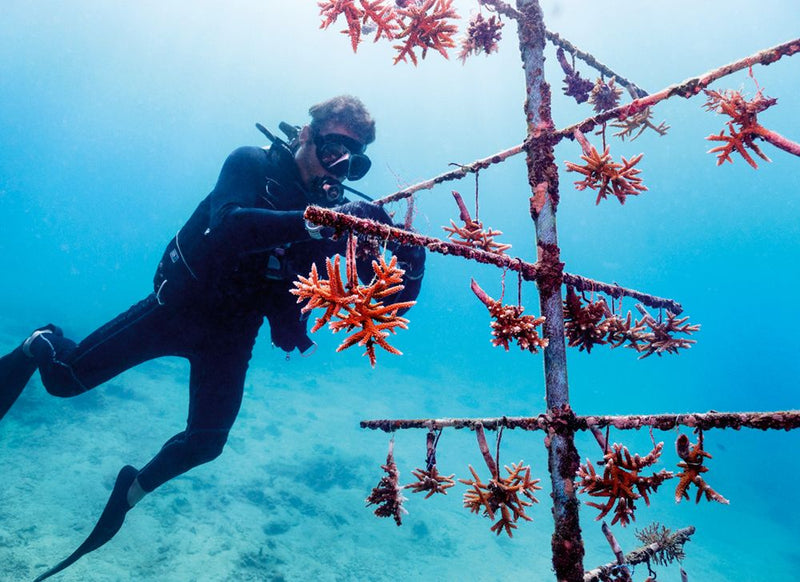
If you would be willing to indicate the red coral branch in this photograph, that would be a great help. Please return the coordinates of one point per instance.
(361, 18)
(743, 128)
(692, 456)
(505, 495)
(621, 482)
(425, 26)
(350, 306)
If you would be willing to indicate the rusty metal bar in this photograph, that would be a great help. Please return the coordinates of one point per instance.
(529, 271)
(563, 460)
(776, 420)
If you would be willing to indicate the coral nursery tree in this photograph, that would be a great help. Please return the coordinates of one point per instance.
(568, 316)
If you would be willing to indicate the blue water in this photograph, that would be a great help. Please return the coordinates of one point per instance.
(114, 122)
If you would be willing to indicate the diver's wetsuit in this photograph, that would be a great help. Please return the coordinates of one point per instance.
(229, 266)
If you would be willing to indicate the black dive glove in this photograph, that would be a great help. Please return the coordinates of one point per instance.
(411, 259)
(359, 209)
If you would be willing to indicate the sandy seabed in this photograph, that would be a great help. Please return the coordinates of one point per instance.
(286, 499)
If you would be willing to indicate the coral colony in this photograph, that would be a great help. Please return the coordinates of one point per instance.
(590, 313)
(501, 494)
(353, 306)
(472, 234)
(621, 482)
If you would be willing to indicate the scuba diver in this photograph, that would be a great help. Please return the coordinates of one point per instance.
(230, 266)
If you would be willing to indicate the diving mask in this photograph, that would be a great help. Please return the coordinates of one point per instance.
(342, 156)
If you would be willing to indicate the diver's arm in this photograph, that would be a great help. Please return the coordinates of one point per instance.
(236, 214)
(249, 230)
(240, 184)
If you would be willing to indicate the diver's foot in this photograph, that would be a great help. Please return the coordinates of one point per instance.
(113, 515)
(16, 370)
(109, 523)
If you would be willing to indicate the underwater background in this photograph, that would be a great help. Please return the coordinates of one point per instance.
(114, 122)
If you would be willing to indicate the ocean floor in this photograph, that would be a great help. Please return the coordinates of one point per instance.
(286, 499)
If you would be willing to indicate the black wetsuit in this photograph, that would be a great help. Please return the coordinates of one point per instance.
(230, 265)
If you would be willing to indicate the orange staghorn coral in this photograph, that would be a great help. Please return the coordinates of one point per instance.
(621, 482)
(425, 25)
(360, 18)
(500, 494)
(510, 325)
(430, 479)
(472, 233)
(692, 456)
(601, 173)
(350, 306)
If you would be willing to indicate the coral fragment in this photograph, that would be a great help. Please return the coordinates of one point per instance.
(482, 36)
(472, 234)
(692, 456)
(510, 325)
(350, 306)
(621, 482)
(386, 495)
(604, 175)
(425, 26)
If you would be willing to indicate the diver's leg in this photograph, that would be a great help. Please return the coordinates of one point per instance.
(145, 331)
(218, 366)
(216, 388)
(17, 367)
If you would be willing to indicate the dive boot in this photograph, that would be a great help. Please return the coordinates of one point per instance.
(109, 523)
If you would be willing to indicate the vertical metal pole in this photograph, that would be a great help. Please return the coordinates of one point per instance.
(563, 460)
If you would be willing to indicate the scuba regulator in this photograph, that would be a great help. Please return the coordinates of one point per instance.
(325, 191)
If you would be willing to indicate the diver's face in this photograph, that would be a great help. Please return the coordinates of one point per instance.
(314, 157)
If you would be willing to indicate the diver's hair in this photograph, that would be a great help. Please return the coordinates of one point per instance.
(344, 110)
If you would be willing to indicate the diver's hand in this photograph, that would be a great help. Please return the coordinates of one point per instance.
(411, 259)
(358, 209)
